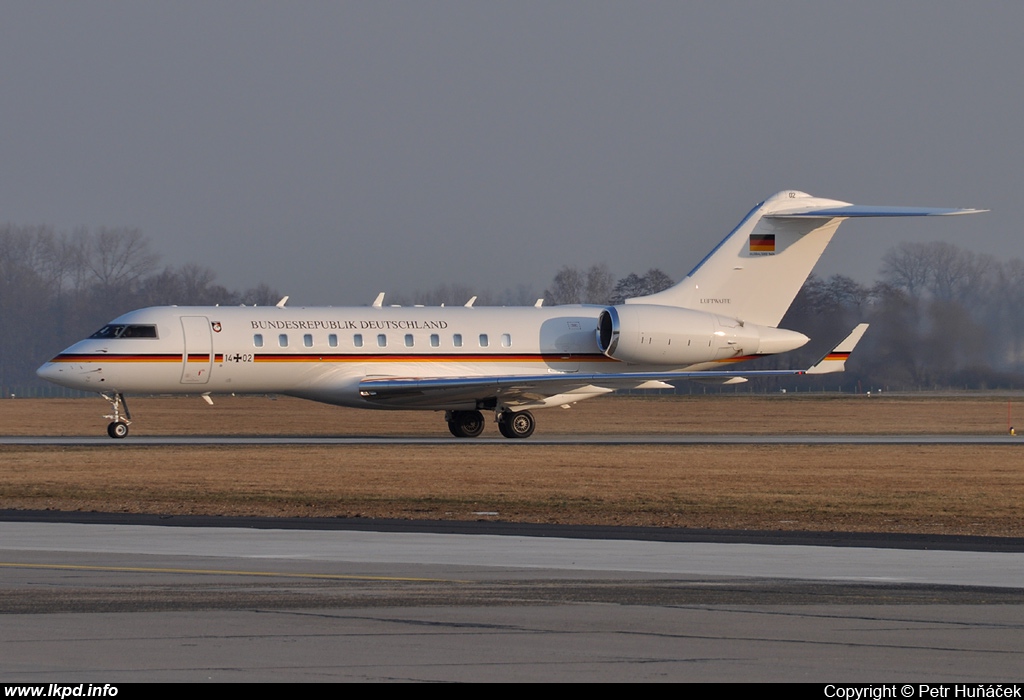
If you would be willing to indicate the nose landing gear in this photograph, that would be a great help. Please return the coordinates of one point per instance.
(118, 427)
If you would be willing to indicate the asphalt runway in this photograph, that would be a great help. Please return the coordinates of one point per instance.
(78, 441)
(95, 598)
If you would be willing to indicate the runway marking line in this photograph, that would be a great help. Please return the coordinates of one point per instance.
(224, 572)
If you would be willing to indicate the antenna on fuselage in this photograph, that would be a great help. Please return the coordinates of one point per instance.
(540, 303)
(379, 301)
(469, 304)
(284, 300)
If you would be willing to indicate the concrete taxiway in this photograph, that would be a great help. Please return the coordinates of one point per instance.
(129, 600)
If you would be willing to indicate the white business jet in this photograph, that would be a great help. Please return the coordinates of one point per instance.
(466, 361)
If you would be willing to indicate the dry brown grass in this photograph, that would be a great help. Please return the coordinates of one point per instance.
(936, 489)
(709, 415)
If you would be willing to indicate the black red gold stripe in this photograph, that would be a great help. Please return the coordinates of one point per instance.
(337, 357)
(108, 357)
(738, 358)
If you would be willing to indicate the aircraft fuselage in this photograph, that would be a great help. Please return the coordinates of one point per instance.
(323, 353)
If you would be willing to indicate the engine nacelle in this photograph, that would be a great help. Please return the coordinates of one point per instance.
(668, 335)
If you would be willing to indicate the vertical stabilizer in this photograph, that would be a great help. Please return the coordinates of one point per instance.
(756, 271)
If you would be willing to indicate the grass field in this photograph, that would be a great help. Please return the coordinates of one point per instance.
(929, 489)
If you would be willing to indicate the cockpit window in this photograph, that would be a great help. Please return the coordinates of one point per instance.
(139, 331)
(108, 332)
(115, 330)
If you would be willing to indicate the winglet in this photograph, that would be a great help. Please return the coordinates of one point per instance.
(835, 361)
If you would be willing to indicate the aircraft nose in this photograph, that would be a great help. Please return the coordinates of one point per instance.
(47, 371)
(62, 374)
(53, 372)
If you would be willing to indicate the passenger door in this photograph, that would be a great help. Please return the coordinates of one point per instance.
(197, 358)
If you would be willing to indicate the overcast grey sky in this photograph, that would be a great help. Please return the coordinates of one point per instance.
(338, 149)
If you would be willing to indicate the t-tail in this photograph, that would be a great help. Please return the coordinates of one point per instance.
(755, 273)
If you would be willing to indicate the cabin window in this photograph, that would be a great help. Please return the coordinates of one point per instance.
(282, 340)
(357, 340)
(435, 340)
(483, 340)
(307, 340)
(457, 340)
(408, 340)
(332, 340)
(382, 340)
(257, 340)
(506, 340)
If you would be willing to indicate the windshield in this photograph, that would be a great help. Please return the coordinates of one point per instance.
(115, 330)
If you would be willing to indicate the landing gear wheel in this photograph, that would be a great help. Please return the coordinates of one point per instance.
(516, 425)
(466, 424)
(117, 430)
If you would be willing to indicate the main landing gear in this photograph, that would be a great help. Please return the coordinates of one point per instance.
(118, 427)
(469, 424)
(516, 425)
(465, 424)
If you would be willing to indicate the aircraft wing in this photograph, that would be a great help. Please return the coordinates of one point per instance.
(402, 392)
(520, 390)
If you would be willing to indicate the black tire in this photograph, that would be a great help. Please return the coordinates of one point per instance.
(503, 427)
(117, 430)
(466, 424)
(517, 425)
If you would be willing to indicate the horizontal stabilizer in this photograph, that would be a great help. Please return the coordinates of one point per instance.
(835, 361)
(859, 211)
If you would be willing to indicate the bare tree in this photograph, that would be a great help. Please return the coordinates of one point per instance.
(119, 257)
(261, 295)
(568, 287)
(958, 274)
(599, 284)
(946, 271)
(633, 285)
(1010, 283)
(908, 266)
